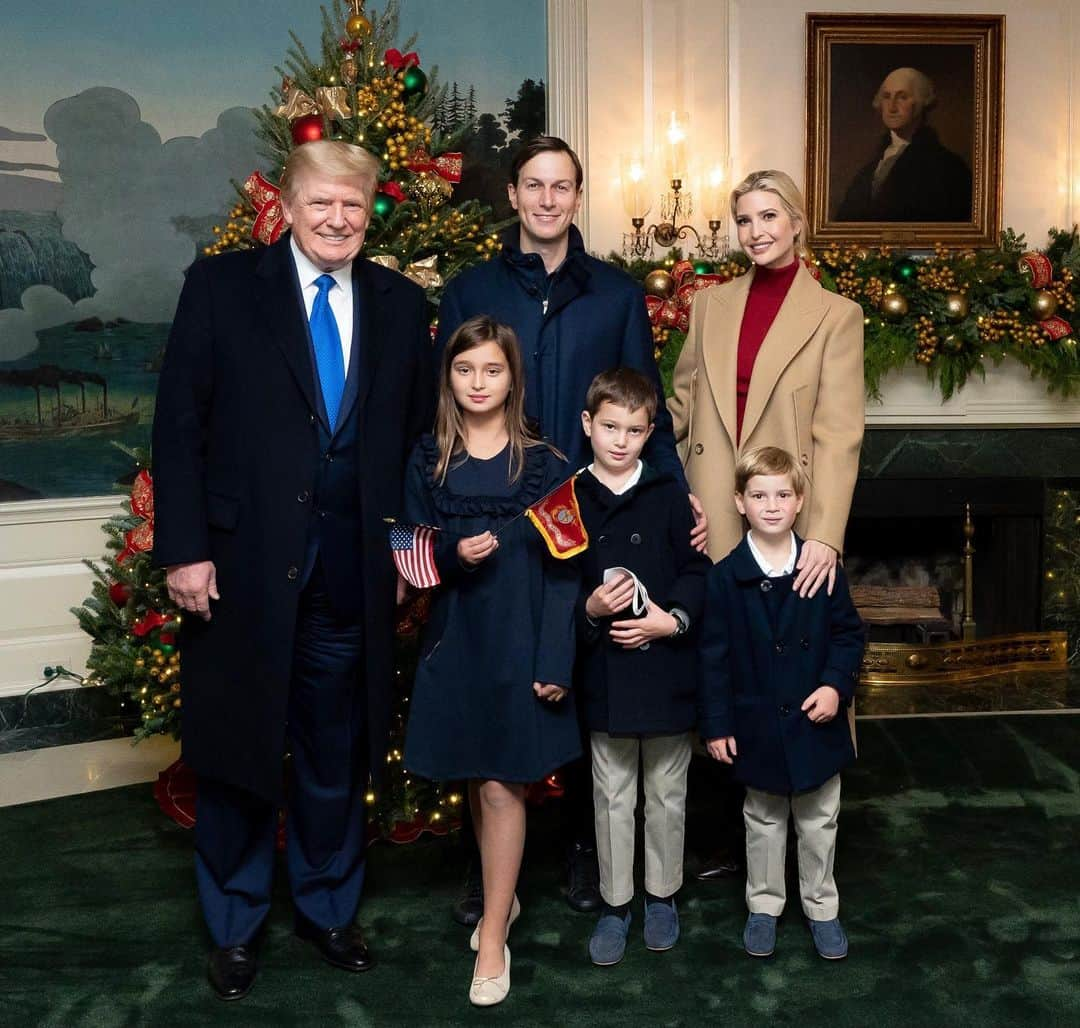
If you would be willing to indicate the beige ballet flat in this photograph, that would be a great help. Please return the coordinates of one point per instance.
(486, 992)
(515, 911)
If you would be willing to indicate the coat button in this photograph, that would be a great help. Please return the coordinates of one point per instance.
(785, 709)
(805, 460)
(328, 457)
(311, 419)
(766, 585)
(643, 646)
(804, 643)
(779, 647)
(303, 496)
(602, 540)
(698, 448)
(293, 573)
(635, 539)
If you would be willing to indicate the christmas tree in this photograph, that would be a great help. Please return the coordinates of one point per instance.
(362, 90)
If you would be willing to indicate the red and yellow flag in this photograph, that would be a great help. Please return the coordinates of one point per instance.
(557, 518)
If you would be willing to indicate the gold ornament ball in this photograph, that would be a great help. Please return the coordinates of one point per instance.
(894, 306)
(952, 343)
(357, 27)
(1044, 304)
(956, 306)
(660, 283)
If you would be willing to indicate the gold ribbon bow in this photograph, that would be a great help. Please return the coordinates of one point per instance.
(424, 273)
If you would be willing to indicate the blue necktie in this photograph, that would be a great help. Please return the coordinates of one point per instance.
(328, 356)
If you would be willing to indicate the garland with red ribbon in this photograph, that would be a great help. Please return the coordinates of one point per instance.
(1040, 271)
(265, 197)
(674, 311)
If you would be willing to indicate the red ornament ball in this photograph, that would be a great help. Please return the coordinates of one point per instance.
(307, 129)
(119, 593)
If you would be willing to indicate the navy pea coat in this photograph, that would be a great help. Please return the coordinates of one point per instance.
(646, 529)
(764, 649)
(584, 318)
(236, 462)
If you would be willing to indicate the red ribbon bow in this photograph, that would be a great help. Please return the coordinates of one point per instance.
(266, 199)
(398, 61)
(145, 625)
(394, 190)
(447, 165)
(674, 312)
(140, 538)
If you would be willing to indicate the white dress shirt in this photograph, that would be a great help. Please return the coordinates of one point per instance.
(895, 148)
(340, 296)
(766, 570)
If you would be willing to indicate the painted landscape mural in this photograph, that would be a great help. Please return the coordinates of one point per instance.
(116, 164)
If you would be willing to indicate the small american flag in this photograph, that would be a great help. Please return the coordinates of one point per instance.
(414, 554)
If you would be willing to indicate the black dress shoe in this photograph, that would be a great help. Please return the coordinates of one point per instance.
(343, 947)
(231, 971)
(583, 879)
(469, 907)
(721, 863)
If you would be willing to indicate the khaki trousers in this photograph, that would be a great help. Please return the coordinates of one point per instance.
(766, 817)
(615, 760)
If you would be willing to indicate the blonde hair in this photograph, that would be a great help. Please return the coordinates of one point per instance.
(781, 185)
(332, 158)
(768, 460)
(450, 425)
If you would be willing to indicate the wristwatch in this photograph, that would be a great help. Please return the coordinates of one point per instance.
(682, 621)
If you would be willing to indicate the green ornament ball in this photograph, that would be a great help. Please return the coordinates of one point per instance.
(384, 205)
(415, 81)
(905, 269)
(703, 268)
(167, 648)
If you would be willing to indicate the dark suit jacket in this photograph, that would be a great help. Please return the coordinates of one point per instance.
(927, 183)
(240, 451)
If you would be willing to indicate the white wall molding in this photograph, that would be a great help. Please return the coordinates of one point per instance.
(568, 87)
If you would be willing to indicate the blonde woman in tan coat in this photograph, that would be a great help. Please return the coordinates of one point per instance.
(773, 359)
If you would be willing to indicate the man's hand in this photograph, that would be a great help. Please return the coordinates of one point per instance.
(608, 599)
(472, 550)
(722, 749)
(817, 562)
(551, 693)
(699, 534)
(192, 586)
(634, 632)
(822, 704)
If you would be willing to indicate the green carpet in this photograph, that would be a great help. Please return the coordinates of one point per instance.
(957, 869)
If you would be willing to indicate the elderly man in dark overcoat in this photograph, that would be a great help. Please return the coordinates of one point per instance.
(294, 384)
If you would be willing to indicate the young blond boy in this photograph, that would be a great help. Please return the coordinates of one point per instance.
(776, 671)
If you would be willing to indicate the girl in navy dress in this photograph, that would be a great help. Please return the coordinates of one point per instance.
(497, 651)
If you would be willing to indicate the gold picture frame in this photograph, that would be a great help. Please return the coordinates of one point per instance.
(886, 150)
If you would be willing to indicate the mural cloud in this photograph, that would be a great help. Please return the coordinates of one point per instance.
(122, 189)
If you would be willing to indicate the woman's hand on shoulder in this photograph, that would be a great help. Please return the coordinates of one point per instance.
(475, 548)
(551, 693)
(816, 564)
(699, 534)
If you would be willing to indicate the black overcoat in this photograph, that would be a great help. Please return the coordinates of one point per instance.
(764, 649)
(646, 529)
(927, 183)
(236, 447)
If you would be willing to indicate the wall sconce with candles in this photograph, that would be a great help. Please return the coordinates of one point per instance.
(676, 202)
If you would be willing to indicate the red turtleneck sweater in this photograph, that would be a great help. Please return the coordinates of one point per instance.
(767, 292)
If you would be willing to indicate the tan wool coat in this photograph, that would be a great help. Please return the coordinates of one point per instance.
(806, 395)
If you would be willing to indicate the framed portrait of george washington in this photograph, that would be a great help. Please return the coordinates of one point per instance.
(904, 128)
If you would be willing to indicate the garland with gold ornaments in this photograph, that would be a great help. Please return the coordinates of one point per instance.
(952, 313)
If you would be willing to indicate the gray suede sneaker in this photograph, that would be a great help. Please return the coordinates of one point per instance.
(829, 939)
(661, 926)
(607, 943)
(759, 935)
